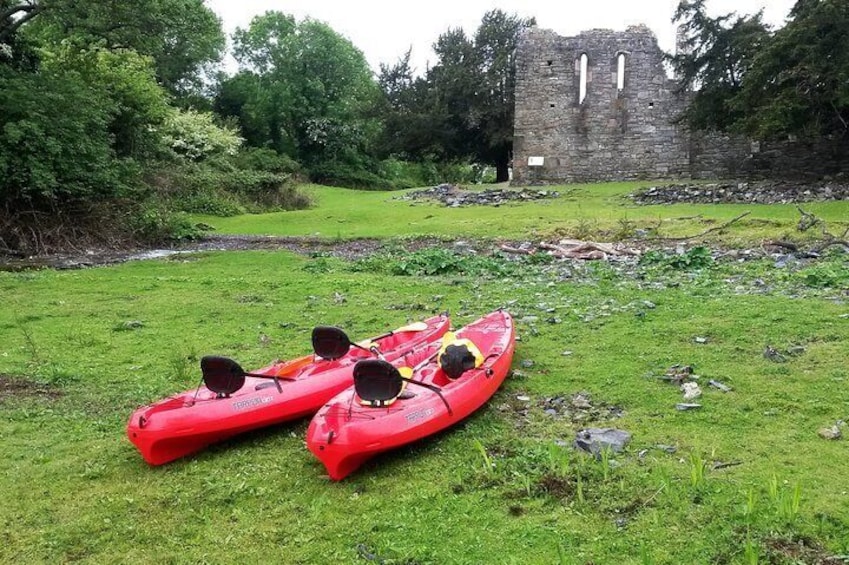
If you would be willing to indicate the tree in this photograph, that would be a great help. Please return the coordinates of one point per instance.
(182, 36)
(493, 110)
(798, 84)
(407, 109)
(716, 56)
(13, 15)
(303, 90)
(463, 108)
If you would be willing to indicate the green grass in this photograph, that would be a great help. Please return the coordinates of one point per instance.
(346, 214)
(499, 488)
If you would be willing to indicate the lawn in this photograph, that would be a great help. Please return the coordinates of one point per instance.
(744, 479)
(345, 214)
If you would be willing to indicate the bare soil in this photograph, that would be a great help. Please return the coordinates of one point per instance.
(347, 249)
(22, 387)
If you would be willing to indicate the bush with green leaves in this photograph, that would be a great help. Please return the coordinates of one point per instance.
(268, 160)
(224, 190)
(695, 258)
(155, 222)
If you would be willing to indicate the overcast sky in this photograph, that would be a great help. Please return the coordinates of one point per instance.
(384, 30)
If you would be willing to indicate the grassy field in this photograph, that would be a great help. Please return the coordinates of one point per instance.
(749, 481)
(588, 209)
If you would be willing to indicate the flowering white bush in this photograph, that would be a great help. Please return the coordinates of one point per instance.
(195, 136)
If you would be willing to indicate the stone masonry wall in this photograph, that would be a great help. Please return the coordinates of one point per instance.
(629, 133)
(614, 134)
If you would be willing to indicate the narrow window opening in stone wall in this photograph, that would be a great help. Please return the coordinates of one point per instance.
(651, 104)
(620, 72)
(549, 62)
(582, 89)
(551, 105)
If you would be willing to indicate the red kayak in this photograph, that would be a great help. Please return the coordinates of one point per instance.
(449, 381)
(230, 401)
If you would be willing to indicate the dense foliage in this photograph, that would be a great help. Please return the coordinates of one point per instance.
(462, 108)
(304, 91)
(111, 111)
(764, 83)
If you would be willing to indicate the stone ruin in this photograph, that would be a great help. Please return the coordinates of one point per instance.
(600, 107)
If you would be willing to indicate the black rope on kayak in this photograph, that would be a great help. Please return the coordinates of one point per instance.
(351, 405)
(197, 390)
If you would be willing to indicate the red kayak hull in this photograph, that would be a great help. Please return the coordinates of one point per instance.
(187, 422)
(344, 434)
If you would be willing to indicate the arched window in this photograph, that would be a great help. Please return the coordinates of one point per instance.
(620, 72)
(582, 89)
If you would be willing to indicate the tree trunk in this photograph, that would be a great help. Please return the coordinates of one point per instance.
(502, 170)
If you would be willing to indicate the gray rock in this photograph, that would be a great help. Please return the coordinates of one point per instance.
(684, 406)
(720, 386)
(832, 432)
(594, 440)
(772, 354)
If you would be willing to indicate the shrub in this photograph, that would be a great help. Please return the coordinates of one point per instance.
(195, 136)
(155, 222)
(200, 188)
(695, 258)
(268, 160)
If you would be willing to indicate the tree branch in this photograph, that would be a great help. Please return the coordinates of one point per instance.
(8, 31)
(9, 12)
(711, 230)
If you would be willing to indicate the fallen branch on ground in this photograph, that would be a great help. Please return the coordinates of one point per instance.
(807, 221)
(704, 233)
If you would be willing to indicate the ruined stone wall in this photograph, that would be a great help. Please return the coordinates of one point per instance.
(612, 134)
(629, 133)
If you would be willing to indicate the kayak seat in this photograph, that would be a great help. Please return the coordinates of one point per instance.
(377, 383)
(458, 356)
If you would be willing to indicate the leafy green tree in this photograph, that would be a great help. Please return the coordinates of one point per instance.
(74, 133)
(464, 106)
(303, 90)
(493, 111)
(407, 110)
(182, 36)
(716, 56)
(798, 84)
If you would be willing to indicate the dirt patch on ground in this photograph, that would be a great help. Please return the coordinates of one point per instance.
(347, 249)
(22, 387)
(800, 551)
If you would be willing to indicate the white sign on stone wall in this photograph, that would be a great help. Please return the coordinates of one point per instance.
(536, 161)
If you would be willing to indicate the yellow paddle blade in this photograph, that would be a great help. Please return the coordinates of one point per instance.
(414, 327)
(406, 372)
(293, 366)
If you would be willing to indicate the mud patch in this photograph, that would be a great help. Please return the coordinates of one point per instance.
(800, 551)
(311, 246)
(21, 387)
